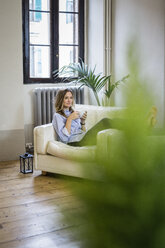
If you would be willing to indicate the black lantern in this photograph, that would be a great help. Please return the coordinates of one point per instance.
(26, 163)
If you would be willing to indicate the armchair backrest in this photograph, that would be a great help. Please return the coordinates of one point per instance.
(96, 113)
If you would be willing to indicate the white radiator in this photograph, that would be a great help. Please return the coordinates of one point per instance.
(44, 100)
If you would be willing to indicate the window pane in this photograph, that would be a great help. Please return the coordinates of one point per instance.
(68, 5)
(39, 28)
(39, 5)
(67, 55)
(68, 26)
(39, 62)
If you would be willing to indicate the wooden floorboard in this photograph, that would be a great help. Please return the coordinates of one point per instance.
(54, 239)
(31, 209)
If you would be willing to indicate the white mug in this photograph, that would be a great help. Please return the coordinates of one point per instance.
(81, 113)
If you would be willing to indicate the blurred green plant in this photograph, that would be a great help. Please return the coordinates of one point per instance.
(125, 207)
(87, 77)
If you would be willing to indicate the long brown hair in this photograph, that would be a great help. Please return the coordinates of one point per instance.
(59, 101)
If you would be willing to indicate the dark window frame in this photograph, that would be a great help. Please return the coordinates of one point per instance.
(54, 25)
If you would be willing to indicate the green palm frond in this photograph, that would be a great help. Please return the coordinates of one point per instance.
(87, 77)
(78, 69)
(102, 82)
(111, 86)
(122, 80)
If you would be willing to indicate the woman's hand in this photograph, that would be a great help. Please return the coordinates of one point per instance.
(74, 115)
(83, 118)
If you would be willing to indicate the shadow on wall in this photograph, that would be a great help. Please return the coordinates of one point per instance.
(12, 142)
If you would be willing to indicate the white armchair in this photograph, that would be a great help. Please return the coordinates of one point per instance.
(53, 156)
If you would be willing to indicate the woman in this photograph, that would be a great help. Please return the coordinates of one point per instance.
(69, 126)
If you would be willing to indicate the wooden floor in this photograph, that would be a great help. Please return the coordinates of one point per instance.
(30, 209)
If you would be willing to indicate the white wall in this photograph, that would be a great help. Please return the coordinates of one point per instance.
(96, 34)
(11, 66)
(145, 20)
(95, 38)
(11, 86)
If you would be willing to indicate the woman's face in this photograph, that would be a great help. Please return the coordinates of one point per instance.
(68, 100)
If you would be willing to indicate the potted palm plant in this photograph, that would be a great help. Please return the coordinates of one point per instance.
(86, 76)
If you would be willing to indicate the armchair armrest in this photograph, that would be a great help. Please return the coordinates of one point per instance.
(43, 134)
(106, 141)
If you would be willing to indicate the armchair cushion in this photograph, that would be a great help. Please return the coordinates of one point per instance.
(61, 150)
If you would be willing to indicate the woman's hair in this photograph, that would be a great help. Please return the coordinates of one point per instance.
(59, 101)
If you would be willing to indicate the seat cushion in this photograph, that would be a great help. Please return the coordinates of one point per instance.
(61, 150)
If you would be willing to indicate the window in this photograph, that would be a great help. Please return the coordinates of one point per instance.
(53, 36)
